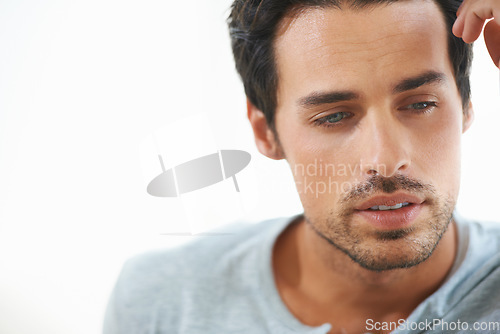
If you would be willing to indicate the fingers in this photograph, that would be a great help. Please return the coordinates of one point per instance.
(458, 27)
(492, 39)
(473, 25)
(471, 16)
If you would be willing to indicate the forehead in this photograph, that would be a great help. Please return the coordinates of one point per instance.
(383, 42)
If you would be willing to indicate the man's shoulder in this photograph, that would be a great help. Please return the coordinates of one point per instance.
(211, 247)
(479, 245)
(485, 233)
(205, 258)
(473, 294)
(213, 268)
(478, 276)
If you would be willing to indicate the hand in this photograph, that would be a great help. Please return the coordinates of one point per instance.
(470, 20)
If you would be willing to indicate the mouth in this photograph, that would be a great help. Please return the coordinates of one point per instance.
(385, 208)
(389, 202)
(391, 212)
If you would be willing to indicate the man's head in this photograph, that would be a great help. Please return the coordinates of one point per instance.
(367, 102)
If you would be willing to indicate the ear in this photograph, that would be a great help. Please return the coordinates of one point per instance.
(265, 139)
(468, 117)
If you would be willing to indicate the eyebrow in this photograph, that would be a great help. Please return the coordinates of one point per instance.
(320, 98)
(426, 78)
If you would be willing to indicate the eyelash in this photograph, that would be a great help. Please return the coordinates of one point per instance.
(323, 121)
(430, 105)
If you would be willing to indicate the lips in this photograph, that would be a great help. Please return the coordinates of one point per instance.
(377, 211)
(389, 200)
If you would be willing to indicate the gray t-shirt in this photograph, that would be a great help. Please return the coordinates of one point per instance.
(224, 284)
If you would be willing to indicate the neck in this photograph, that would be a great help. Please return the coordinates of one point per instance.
(308, 268)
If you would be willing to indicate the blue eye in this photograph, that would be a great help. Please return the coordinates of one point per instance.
(332, 119)
(421, 106)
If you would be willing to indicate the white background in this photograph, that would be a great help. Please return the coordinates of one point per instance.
(83, 87)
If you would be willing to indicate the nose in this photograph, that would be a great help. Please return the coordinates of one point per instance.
(385, 145)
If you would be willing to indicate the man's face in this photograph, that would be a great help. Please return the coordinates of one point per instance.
(369, 114)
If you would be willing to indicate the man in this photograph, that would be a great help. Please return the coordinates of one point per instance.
(375, 96)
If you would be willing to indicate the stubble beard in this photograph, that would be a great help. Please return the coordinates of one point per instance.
(387, 250)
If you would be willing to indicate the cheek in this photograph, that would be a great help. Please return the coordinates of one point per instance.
(437, 153)
(305, 144)
(322, 170)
